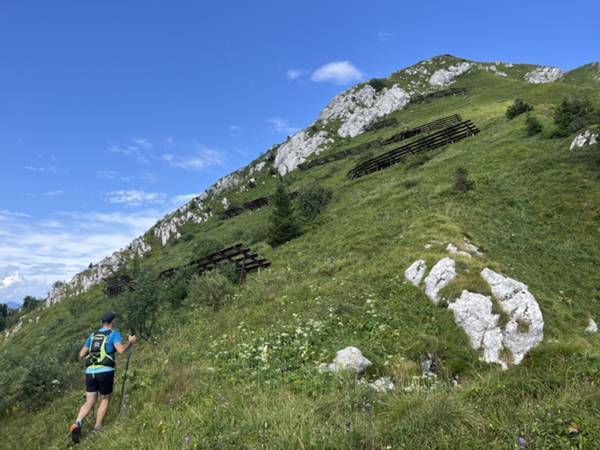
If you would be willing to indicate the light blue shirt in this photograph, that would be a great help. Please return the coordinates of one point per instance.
(113, 338)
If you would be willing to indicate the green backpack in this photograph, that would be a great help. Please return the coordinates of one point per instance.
(97, 356)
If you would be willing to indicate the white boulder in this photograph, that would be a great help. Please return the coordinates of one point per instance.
(592, 327)
(415, 273)
(525, 329)
(440, 276)
(299, 147)
(584, 139)
(444, 77)
(468, 246)
(349, 358)
(473, 312)
(544, 75)
(454, 249)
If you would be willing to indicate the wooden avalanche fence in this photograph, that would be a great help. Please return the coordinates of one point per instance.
(425, 128)
(436, 140)
(248, 206)
(438, 94)
(402, 135)
(244, 259)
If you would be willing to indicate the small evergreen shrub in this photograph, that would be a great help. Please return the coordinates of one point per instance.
(210, 289)
(533, 125)
(574, 114)
(377, 83)
(517, 108)
(462, 183)
(313, 200)
(410, 183)
(283, 224)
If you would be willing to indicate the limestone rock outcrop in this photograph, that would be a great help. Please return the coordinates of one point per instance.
(474, 312)
(544, 74)
(359, 107)
(440, 276)
(585, 139)
(444, 77)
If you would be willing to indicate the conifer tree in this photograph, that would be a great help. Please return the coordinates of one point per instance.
(284, 225)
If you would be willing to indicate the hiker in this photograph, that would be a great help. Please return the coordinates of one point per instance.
(99, 351)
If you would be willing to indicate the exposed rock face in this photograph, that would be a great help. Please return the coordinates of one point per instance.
(592, 327)
(492, 68)
(544, 75)
(349, 358)
(357, 108)
(470, 247)
(454, 249)
(444, 77)
(473, 312)
(525, 329)
(584, 139)
(227, 182)
(257, 167)
(440, 276)
(193, 211)
(383, 384)
(299, 147)
(414, 274)
(84, 281)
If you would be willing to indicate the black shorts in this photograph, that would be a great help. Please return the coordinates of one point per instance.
(102, 382)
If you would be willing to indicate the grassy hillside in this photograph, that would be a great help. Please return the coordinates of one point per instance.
(246, 376)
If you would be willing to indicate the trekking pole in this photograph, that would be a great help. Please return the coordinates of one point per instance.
(129, 352)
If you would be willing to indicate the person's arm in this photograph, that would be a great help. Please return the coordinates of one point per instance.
(122, 348)
(86, 347)
(84, 351)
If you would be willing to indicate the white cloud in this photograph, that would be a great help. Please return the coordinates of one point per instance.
(60, 246)
(281, 126)
(294, 74)
(384, 36)
(107, 174)
(10, 280)
(134, 197)
(192, 157)
(337, 72)
(53, 193)
(50, 169)
(235, 130)
(183, 198)
(4, 213)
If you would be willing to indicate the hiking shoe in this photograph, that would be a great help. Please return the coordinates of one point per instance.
(75, 431)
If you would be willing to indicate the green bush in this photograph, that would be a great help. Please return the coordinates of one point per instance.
(313, 200)
(461, 180)
(173, 290)
(283, 226)
(210, 289)
(574, 114)
(517, 108)
(140, 306)
(533, 125)
(377, 83)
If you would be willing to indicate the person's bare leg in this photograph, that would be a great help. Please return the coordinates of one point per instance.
(102, 408)
(90, 400)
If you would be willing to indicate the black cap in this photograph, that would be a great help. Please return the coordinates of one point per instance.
(108, 317)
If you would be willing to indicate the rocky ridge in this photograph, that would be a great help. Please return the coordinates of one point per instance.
(354, 109)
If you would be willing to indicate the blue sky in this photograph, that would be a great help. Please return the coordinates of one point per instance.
(113, 113)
